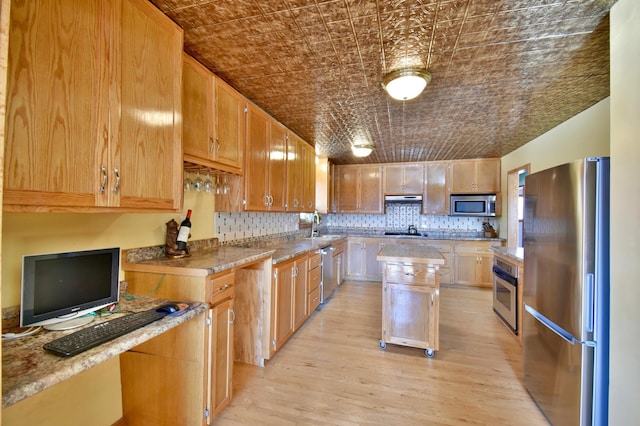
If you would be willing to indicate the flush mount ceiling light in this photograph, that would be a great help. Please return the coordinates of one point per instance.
(361, 150)
(406, 83)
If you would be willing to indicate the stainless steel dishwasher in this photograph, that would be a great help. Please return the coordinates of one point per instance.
(329, 281)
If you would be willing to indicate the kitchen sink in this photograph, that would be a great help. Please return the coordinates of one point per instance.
(401, 233)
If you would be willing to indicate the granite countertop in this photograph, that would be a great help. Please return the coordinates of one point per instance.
(28, 369)
(286, 250)
(513, 253)
(201, 263)
(409, 253)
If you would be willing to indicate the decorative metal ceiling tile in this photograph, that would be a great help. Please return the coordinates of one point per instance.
(503, 71)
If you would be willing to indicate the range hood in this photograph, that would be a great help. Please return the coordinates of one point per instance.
(403, 199)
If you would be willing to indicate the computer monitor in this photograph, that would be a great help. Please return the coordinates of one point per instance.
(60, 289)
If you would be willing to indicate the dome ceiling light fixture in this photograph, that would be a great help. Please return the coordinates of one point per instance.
(361, 149)
(406, 83)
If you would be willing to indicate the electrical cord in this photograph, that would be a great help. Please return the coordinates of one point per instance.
(128, 296)
(29, 331)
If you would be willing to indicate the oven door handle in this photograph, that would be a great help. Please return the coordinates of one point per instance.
(504, 276)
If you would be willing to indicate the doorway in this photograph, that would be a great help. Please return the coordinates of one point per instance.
(515, 204)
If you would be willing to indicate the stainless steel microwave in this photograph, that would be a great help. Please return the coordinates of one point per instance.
(473, 205)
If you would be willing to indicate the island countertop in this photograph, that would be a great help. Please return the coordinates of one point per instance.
(409, 253)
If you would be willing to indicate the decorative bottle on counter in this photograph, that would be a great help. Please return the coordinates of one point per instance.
(185, 232)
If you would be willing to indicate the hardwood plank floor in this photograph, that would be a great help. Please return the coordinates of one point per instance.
(331, 372)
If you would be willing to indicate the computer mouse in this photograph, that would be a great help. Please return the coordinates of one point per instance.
(168, 308)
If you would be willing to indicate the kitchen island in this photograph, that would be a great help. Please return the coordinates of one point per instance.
(410, 296)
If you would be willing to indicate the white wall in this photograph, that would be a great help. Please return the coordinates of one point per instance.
(624, 408)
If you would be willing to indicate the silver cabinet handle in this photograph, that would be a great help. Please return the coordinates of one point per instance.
(103, 169)
(224, 287)
(116, 187)
(211, 144)
(217, 145)
(233, 316)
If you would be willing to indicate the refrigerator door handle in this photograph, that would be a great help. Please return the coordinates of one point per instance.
(589, 301)
(551, 325)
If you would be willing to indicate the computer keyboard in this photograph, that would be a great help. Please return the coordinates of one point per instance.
(87, 338)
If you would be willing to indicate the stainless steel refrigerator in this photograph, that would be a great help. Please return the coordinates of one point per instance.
(566, 291)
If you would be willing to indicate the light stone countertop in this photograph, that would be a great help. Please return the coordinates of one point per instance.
(513, 253)
(28, 369)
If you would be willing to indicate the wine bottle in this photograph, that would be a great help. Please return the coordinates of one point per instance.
(184, 232)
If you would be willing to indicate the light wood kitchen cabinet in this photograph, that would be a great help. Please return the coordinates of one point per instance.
(359, 189)
(361, 258)
(295, 173)
(309, 179)
(314, 278)
(475, 176)
(213, 118)
(436, 197)
(446, 249)
(217, 340)
(474, 263)
(265, 167)
(93, 140)
(289, 299)
(403, 179)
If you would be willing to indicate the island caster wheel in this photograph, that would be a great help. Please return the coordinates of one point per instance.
(382, 345)
(429, 353)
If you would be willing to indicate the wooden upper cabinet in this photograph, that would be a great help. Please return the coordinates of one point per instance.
(214, 119)
(309, 179)
(150, 151)
(295, 172)
(277, 167)
(359, 189)
(403, 179)
(257, 160)
(229, 110)
(475, 176)
(106, 132)
(436, 191)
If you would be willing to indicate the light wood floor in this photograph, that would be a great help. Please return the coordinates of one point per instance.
(331, 372)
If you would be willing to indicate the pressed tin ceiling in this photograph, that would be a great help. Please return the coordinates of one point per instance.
(503, 71)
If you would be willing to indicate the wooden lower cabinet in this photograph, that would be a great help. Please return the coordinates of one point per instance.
(314, 278)
(474, 263)
(204, 353)
(361, 258)
(410, 306)
(289, 300)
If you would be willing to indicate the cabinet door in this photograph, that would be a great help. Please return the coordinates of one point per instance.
(436, 197)
(466, 268)
(309, 178)
(57, 123)
(229, 125)
(488, 176)
(277, 167)
(463, 177)
(295, 172)
(355, 258)
(372, 267)
(257, 162)
(283, 306)
(347, 185)
(393, 179)
(485, 270)
(413, 179)
(410, 315)
(222, 353)
(370, 193)
(300, 313)
(197, 109)
(149, 156)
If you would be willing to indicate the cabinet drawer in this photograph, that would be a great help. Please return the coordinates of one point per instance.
(222, 288)
(314, 299)
(315, 260)
(410, 273)
(315, 276)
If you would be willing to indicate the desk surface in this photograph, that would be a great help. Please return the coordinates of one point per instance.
(28, 369)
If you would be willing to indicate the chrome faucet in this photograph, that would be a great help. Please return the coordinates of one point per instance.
(413, 230)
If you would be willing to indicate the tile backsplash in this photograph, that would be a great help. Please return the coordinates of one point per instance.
(242, 226)
(400, 216)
